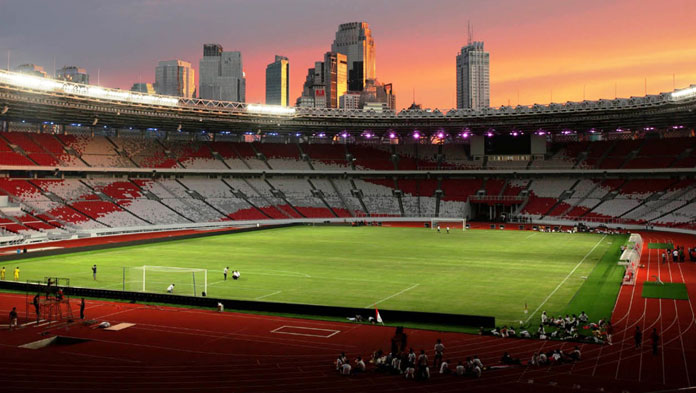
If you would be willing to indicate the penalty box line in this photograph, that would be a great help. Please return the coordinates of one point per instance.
(290, 327)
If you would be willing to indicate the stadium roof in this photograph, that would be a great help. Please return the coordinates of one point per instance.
(35, 99)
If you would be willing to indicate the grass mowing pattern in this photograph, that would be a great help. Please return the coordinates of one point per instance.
(668, 290)
(478, 272)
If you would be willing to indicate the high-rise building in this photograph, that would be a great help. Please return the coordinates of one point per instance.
(221, 75)
(278, 82)
(350, 100)
(175, 78)
(335, 77)
(355, 41)
(31, 69)
(377, 92)
(473, 86)
(146, 88)
(73, 74)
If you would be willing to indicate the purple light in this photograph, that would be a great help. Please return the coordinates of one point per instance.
(344, 134)
(514, 133)
(440, 135)
(392, 135)
(465, 135)
(322, 135)
(416, 135)
(489, 134)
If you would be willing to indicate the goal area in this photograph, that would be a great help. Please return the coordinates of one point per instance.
(452, 223)
(157, 279)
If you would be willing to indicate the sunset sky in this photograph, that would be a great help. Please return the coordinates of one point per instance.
(541, 50)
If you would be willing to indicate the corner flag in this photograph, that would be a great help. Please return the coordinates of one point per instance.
(378, 318)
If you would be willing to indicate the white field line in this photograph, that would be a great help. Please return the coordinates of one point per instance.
(265, 296)
(389, 297)
(565, 279)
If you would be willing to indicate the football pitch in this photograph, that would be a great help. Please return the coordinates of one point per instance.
(475, 272)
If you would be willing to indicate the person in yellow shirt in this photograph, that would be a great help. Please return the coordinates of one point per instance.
(2, 273)
(16, 273)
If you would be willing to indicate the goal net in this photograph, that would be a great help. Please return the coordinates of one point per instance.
(157, 279)
(452, 223)
(630, 258)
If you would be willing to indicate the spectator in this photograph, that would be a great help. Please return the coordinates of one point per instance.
(345, 368)
(444, 367)
(460, 369)
(423, 369)
(655, 341)
(341, 359)
(638, 337)
(439, 349)
(359, 365)
(13, 318)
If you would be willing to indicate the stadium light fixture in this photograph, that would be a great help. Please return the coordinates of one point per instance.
(392, 135)
(46, 84)
(685, 93)
(416, 135)
(270, 110)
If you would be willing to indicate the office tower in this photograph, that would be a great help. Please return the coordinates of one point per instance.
(146, 88)
(473, 88)
(335, 77)
(221, 75)
(73, 74)
(355, 41)
(31, 69)
(175, 78)
(278, 82)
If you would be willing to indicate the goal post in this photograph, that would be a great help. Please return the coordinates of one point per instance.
(448, 222)
(187, 281)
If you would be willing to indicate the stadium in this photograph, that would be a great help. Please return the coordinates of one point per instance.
(344, 225)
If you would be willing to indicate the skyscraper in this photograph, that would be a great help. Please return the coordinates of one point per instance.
(355, 41)
(473, 88)
(73, 74)
(175, 78)
(278, 82)
(146, 88)
(221, 75)
(335, 77)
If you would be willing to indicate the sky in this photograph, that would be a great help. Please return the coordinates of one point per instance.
(541, 51)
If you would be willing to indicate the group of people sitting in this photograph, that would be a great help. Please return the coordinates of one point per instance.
(560, 328)
(410, 364)
(555, 356)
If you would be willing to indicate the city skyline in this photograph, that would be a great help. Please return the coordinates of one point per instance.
(540, 51)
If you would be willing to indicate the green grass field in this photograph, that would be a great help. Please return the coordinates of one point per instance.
(479, 272)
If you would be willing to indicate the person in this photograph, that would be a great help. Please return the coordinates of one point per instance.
(359, 365)
(610, 332)
(13, 318)
(460, 369)
(444, 367)
(82, 308)
(16, 273)
(583, 318)
(638, 337)
(675, 255)
(94, 272)
(438, 228)
(59, 294)
(423, 369)
(2, 273)
(225, 271)
(447, 228)
(36, 307)
(544, 318)
(655, 341)
(345, 368)
(220, 307)
(664, 258)
(439, 349)
(170, 288)
(340, 360)
(410, 371)
(575, 354)
(236, 275)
